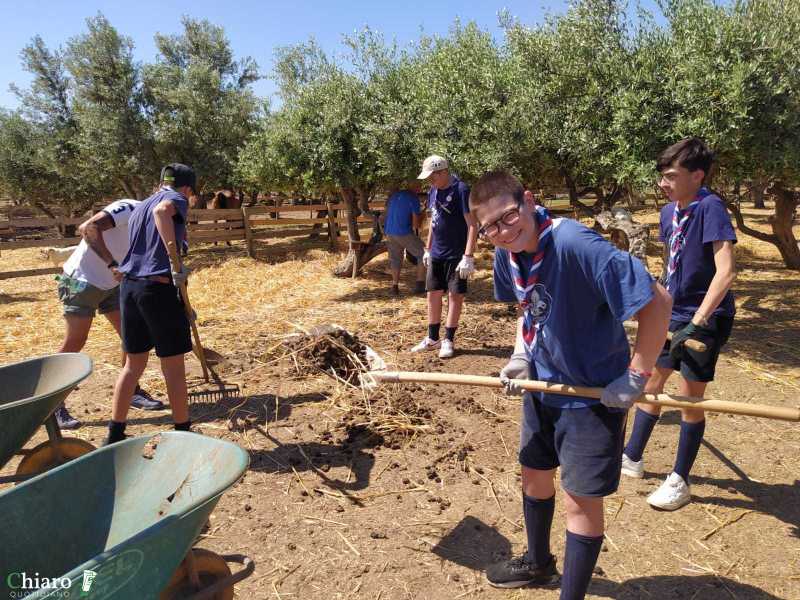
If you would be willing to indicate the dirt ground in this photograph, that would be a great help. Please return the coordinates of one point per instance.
(411, 491)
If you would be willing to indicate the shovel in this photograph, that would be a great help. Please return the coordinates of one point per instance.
(765, 411)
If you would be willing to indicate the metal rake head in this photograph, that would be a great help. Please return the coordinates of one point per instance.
(222, 392)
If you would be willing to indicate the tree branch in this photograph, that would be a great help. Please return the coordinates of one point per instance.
(743, 227)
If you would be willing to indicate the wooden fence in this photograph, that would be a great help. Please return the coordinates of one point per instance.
(247, 224)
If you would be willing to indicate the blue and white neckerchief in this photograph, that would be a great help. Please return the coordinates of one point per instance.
(523, 287)
(677, 238)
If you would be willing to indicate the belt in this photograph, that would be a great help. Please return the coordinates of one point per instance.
(156, 278)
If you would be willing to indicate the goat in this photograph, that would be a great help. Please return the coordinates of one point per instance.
(57, 256)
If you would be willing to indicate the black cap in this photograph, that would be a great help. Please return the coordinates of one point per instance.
(178, 175)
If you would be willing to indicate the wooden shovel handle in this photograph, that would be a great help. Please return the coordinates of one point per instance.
(691, 344)
(783, 413)
(198, 347)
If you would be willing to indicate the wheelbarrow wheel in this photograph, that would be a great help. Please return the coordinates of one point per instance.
(211, 567)
(43, 457)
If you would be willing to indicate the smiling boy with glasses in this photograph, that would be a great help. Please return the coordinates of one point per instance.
(574, 290)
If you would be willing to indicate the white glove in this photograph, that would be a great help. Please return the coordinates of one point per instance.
(426, 258)
(179, 278)
(466, 267)
(518, 367)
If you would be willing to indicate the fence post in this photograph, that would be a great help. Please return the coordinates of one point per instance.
(332, 230)
(248, 234)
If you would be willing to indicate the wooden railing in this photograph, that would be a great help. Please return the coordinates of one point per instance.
(248, 224)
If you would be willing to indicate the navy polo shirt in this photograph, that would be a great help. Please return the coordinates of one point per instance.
(147, 254)
(448, 207)
(709, 223)
(586, 289)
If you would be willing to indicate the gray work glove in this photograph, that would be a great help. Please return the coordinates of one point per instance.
(624, 390)
(426, 258)
(179, 278)
(518, 367)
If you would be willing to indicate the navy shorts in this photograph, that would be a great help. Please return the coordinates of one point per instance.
(153, 317)
(585, 442)
(442, 275)
(698, 366)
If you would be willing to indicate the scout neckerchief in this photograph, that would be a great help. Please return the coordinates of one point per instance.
(680, 223)
(523, 287)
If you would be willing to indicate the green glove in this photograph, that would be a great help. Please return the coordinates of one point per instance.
(678, 338)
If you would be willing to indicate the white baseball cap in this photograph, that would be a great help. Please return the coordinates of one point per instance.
(432, 164)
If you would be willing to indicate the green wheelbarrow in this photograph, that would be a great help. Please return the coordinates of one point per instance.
(120, 523)
(29, 393)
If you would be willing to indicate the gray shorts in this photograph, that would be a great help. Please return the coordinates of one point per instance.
(82, 299)
(397, 243)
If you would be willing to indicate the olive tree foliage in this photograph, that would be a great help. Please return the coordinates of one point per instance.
(567, 73)
(735, 76)
(39, 149)
(96, 123)
(462, 87)
(113, 137)
(199, 101)
(339, 131)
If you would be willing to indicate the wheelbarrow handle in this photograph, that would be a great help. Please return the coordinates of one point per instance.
(783, 413)
(248, 567)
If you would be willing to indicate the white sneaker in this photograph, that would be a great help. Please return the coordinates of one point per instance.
(446, 350)
(426, 344)
(672, 494)
(632, 468)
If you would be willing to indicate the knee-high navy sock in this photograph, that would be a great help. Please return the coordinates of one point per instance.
(538, 521)
(580, 557)
(643, 424)
(688, 445)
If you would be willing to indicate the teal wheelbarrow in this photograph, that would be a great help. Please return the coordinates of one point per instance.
(120, 523)
(29, 393)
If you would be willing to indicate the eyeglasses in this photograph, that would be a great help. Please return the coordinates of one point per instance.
(508, 218)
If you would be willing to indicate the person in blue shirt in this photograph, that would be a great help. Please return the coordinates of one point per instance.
(574, 290)
(402, 219)
(452, 236)
(152, 312)
(699, 271)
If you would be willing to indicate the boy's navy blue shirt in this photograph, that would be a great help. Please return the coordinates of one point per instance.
(147, 254)
(448, 207)
(709, 223)
(402, 205)
(588, 288)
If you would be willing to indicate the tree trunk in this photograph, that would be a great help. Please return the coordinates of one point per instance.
(359, 253)
(757, 187)
(786, 202)
(574, 199)
(782, 237)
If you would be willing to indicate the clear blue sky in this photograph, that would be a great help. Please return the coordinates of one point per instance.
(254, 28)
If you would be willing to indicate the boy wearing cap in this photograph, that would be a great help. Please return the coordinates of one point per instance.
(574, 290)
(90, 284)
(699, 271)
(402, 219)
(153, 314)
(448, 252)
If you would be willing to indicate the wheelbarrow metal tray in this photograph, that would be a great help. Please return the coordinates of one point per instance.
(30, 391)
(126, 512)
